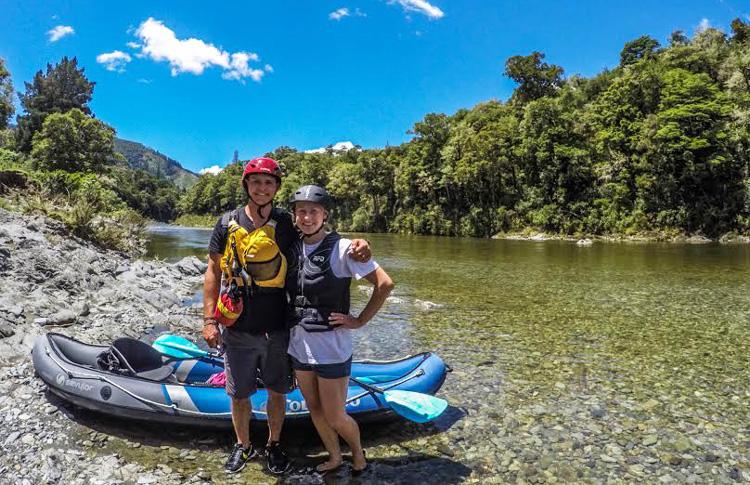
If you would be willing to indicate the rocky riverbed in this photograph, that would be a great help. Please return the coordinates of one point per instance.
(522, 411)
(51, 281)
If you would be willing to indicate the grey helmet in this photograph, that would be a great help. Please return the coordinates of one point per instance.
(311, 193)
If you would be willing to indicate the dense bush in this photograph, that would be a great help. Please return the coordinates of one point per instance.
(658, 145)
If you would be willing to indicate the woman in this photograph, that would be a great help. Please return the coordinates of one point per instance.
(320, 345)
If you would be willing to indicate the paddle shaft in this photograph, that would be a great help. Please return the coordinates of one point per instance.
(366, 387)
(185, 346)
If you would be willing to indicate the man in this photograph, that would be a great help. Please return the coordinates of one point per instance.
(251, 241)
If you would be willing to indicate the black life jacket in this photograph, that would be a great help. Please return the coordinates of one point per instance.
(314, 292)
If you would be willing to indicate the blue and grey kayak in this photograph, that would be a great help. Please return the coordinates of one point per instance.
(160, 388)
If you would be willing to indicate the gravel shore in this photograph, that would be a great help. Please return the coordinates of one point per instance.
(585, 425)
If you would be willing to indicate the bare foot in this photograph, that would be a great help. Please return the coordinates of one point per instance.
(359, 462)
(329, 465)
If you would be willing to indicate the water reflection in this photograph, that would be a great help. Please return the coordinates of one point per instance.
(172, 243)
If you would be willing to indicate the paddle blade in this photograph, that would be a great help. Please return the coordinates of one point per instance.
(178, 347)
(415, 406)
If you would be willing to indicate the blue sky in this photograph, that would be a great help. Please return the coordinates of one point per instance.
(197, 80)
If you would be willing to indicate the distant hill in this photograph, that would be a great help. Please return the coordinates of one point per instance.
(148, 159)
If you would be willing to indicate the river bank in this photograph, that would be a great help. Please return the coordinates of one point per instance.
(196, 221)
(651, 237)
(560, 376)
(52, 281)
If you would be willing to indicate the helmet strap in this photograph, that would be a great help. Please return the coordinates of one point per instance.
(307, 236)
(261, 207)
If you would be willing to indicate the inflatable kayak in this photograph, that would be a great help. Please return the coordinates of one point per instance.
(130, 379)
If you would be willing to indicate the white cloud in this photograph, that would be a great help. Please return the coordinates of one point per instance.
(193, 55)
(59, 32)
(268, 68)
(241, 69)
(704, 25)
(420, 6)
(133, 45)
(212, 170)
(144, 81)
(342, 146)
(339, 14)
(114, 61)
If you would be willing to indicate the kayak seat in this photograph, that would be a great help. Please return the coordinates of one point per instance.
(129, 356)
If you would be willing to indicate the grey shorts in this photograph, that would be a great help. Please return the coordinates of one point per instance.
(325, 371)
(247, 354)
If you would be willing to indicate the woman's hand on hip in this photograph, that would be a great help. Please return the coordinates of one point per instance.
(344, 320)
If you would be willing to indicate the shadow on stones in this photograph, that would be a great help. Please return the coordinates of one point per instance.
(298, 438)
(411, 468)
(404, 461)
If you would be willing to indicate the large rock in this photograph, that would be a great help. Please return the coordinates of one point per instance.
(63, 317)
(191, 266)
(6, 330)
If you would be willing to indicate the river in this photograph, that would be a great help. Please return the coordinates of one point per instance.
(572, 363)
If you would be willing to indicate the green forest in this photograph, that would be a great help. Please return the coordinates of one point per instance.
(658, 146)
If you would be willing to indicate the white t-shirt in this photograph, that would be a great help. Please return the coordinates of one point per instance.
(335, 346)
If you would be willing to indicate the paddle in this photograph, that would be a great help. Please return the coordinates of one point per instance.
(413, 406)
(180, 347)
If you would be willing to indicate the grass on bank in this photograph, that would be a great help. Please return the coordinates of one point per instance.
(196, 220)
(85, 208)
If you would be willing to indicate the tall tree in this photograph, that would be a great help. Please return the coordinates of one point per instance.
(640, 48)
(6, 95)
(678, 38)
(535, 77)
(691, 180)
(73, 142)
(741, 31)
(62, 88)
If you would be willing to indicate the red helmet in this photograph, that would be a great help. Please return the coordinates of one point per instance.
(264, 165)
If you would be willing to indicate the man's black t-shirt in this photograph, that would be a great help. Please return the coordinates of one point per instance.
(265, 310)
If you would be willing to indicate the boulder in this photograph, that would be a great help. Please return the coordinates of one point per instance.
(191, 266)
(63, 317)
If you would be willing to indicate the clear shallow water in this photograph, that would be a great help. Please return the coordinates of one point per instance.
(172, 243)
(657, 329)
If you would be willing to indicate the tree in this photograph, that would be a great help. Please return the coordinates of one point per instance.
(480, 170)
(678, 38)
(557, 167)
(6, 96)
(691, 180)
(535, 78)
(741, 31)
(616, 118)
(417, 177)
(73, 142)
(62, 88)
(641, 48)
